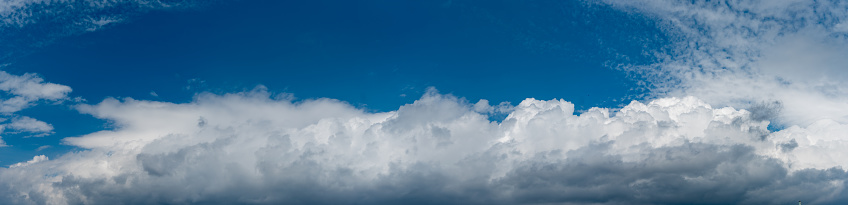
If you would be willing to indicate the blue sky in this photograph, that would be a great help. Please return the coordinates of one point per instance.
(448, 102)
(292, 47)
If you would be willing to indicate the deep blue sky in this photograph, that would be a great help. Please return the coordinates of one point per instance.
(376, 55)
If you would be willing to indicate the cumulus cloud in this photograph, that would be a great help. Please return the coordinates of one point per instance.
(36, 159)
(784, 60)
(255, 147)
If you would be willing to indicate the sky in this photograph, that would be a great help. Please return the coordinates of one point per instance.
(433, 102)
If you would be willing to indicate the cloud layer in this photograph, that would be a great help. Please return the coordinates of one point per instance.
(253, 147)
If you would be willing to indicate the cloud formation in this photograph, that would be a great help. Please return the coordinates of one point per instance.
(255, 147)
(780, 60)
(28, 124)
(23, 91)
(783, 60)
(26, 89)
(745, 53)
(36, 159)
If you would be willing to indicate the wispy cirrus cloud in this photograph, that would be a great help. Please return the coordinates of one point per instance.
(743, 53)
(87, 13)
(29, 24)
(783, 60)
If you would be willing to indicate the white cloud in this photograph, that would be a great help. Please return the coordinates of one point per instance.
(23, 91)
(787, 55)
(95, 24)
(28, 124)
(36, 159)
(43, 147)
(780, 59)
(253, 148)
(741, 53)
(26, 89)
(483, 106)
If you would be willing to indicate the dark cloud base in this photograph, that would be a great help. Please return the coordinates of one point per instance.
(693, 173)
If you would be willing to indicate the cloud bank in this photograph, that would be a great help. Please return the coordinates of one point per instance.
(255, 147)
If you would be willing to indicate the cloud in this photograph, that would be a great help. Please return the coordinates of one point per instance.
(30, 125)
(36, 159)
(21, 92)
(743, 53)
(254, 147)
(19, 13)
(780, 60)
(43, 147)
(26, 89)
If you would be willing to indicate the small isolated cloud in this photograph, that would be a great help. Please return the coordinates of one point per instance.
(27, 89)
(254, 148)
(43, 147)
(30, 125)
(92, 24)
